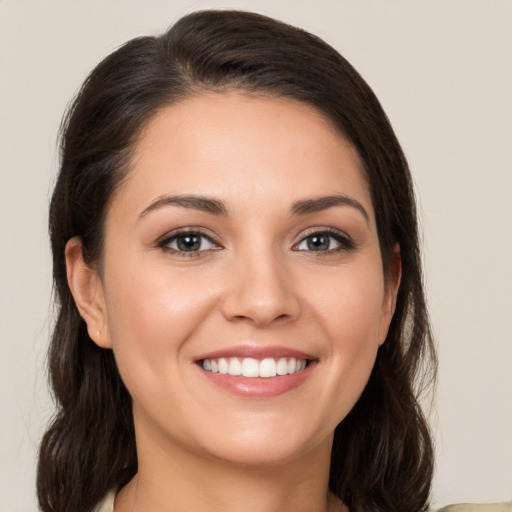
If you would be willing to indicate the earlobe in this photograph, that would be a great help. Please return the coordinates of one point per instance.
(87, 290)
(392, 284)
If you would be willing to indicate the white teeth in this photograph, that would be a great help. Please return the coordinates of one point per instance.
(282, 366)
(250, 367)
(268, 368)
(223, 365)
(235, 366)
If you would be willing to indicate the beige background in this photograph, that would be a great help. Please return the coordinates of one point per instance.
(443, 71)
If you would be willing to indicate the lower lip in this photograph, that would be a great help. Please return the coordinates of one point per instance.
(259, 387)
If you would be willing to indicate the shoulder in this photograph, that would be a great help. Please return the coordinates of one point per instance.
(107, 504)
(484, 507)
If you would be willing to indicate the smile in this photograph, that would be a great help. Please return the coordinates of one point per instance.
(250, 367)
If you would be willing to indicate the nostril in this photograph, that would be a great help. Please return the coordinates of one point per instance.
(260, 319)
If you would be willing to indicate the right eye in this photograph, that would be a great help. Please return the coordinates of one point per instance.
(188, 242)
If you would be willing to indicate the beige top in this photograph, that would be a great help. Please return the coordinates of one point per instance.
(107, 505)
(489, 507)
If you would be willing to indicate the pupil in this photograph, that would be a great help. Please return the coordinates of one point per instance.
(189, 243)
(318, 243)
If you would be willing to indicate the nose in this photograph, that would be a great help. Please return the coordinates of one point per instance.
(260, 290)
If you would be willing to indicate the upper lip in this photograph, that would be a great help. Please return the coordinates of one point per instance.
(256, 352)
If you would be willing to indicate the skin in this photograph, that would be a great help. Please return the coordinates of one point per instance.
(254, 282)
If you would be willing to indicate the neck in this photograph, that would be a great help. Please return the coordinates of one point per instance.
(180, 481)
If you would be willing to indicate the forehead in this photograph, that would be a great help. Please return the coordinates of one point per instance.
(244, 148)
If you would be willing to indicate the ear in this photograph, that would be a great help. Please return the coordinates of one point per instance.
(87, 290)
(392, 284)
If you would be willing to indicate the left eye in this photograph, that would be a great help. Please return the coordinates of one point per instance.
(188, 242)
(321, 241)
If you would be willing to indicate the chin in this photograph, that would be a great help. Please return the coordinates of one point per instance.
(266, 445)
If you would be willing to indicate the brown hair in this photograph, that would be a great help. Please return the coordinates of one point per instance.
(382, 456)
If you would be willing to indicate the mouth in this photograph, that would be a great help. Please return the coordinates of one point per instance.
(250, 367)
(257, 372)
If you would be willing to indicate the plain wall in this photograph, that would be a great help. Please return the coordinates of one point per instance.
(443, 72)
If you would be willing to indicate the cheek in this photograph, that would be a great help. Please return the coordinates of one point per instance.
(149, 299)
(151, 315)
(350, 306)
(349, 312)
(356, 325)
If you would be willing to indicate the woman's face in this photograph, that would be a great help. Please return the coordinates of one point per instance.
(243, 240)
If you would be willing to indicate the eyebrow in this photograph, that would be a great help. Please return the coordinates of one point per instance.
(216, 207)
(204, 204)
(323, 203)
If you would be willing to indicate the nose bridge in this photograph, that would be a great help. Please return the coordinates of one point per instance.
(260, 287)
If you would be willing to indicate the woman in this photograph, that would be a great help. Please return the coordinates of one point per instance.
(242, 322)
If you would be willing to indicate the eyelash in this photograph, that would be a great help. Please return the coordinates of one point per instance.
(345, 242)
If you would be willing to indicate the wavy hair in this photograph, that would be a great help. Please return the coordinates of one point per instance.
(382, 457)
